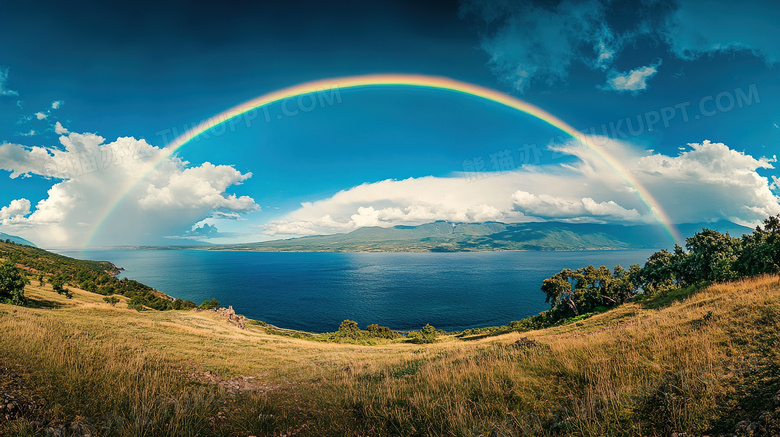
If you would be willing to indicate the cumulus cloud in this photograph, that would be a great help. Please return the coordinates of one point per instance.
(41, 115)
(56, 104)
(163, 192)
(698, 27)
(632, 81)
(4, 91)
(59, 129)
(15, 212)
(528, 41)
(706, 181)
(202, 232)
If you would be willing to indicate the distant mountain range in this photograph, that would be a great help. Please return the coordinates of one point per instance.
(442, 236)
(15, 239)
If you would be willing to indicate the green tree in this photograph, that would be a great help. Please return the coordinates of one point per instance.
(111, 300)
(12, 283)
(712, 256)
(560, 291)
(658, 272)
(760, 251)
(209, 305)
(59, 289)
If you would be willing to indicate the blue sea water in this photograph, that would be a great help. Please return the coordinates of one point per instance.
(316, 291)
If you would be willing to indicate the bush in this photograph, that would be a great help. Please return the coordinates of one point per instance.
(111, 300)
(59, 289)
(12, 283)
(180, 304)
(377, 331)
(136, 303)
(348, 326)
(426, 335)
(209, 305)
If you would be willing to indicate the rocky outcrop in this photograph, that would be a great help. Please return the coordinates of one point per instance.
(231, 317)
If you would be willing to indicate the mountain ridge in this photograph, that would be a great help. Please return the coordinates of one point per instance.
(445, 236)
(15, 239)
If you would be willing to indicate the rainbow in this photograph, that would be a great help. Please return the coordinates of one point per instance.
(408, 80)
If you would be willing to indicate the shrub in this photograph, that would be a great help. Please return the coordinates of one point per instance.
(426, 335)
(136, 303)
(111, 300)
(209, 305)
(348, 326)
(377, 331)
(59, 289)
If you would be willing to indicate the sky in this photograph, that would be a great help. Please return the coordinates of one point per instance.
(680, 99)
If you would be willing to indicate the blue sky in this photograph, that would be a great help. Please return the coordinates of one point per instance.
(76, 78)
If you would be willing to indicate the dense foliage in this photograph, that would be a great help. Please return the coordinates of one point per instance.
(12, 283)
(708, 256)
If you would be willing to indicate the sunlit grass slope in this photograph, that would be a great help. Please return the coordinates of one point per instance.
(698, 363)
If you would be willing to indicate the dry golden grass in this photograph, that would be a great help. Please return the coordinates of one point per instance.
(696, 365)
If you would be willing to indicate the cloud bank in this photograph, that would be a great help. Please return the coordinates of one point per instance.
(707, 181)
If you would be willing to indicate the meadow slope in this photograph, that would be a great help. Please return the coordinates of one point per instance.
(701, 362)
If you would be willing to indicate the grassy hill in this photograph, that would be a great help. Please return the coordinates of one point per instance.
(698, 361)
(443, 236)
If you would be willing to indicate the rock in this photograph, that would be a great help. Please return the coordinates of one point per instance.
(229, 314)
(526, 343)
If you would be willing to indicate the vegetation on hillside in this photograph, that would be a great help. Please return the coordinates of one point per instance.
(708, 257)
(93, 276)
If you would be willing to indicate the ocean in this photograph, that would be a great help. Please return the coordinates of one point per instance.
(316, 291)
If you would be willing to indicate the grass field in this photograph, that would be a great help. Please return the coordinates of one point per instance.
(701, 362)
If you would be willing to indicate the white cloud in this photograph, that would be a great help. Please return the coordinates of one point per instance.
(562, 208)
(56, 104)
(14, 212)
(60, 129)
(29, 133)
(3, 79)
(710, 181)
(528, 42)
(634, 80)
(161, 199)
(41, 115)
(698, 27)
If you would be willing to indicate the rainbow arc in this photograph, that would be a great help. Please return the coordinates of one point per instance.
(407, 80)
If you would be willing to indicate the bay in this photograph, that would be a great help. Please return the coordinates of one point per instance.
(316, 291)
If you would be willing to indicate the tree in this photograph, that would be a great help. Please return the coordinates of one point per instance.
(12, 283)
(59, 289)
(712, 256)
(658, 273)
(111, 300)
(760, 251)
(560, 289)
(209, 305)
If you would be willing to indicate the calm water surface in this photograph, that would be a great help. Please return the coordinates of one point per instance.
(316, 291)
